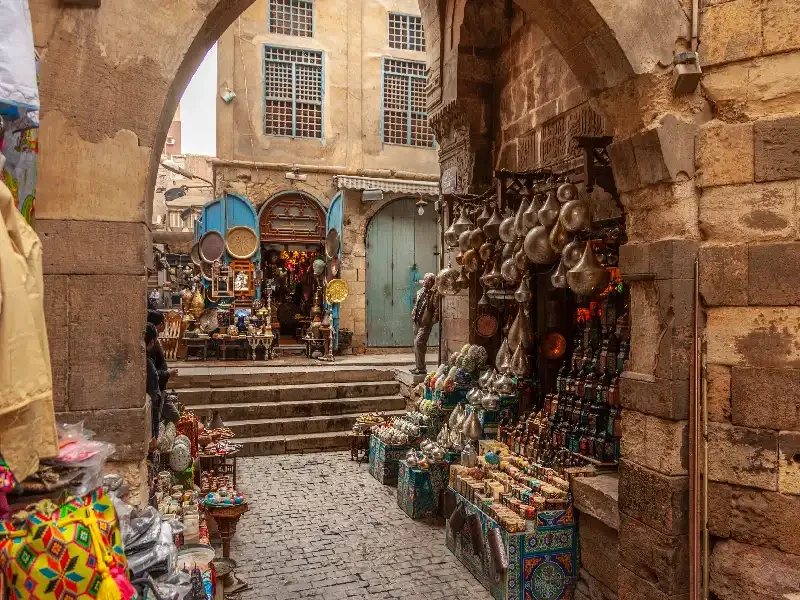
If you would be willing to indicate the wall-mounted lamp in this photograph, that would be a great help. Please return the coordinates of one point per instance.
(227, 95)
(421, 204)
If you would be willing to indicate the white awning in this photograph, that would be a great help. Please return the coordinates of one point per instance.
(402, 186)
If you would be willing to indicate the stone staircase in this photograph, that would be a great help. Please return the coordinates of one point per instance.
(277, 410)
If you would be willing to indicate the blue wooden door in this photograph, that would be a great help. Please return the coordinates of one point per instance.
(401, 248)
(334, 220)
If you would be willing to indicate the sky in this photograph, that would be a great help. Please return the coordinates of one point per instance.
(199, 109)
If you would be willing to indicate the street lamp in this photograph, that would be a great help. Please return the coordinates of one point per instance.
(421, 204)
(176, 168)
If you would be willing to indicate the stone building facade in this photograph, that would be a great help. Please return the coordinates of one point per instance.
(710, 177)
(262, 160)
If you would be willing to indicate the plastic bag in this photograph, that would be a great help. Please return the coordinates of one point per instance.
(144, 530)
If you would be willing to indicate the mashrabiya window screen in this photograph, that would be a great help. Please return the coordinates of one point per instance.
(405, 117)
(292, 92)
(406, 33)
(292, 17)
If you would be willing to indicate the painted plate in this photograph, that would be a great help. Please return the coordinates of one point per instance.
(212, 246)
(241, 242)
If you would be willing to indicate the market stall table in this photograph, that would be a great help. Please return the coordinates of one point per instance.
(226, 517)
(198, 345)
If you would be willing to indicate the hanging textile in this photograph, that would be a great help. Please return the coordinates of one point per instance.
(27, 421)
(18, 87)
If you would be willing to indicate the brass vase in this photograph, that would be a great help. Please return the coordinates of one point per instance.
(198, 305)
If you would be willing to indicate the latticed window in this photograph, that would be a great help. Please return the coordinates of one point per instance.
(292, 92)
(405, 118)
(291, 17)
(405, 32)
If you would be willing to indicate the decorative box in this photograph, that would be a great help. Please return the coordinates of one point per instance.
(419, 492)
(542, 561)
(383, 460)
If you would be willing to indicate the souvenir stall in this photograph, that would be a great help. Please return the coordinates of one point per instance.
(539, 254)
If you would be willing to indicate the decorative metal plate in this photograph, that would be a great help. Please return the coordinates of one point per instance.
(332, 243)
(336, 291)
(206, 270)
(332, 269)
(486, 325)
(195, 254)
(212, 246)
(241, 242)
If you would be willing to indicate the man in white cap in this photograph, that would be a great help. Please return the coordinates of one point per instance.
(424, 316)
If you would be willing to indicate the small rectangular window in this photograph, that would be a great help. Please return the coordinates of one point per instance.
(405, 116)
(406, 33)
(291, 17)
(293, 90)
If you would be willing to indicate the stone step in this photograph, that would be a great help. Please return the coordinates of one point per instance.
(294, 444)
(216, 377)
(296, 425)
(244, 411)
(286, 393)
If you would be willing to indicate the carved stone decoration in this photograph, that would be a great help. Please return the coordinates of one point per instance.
(456, 156)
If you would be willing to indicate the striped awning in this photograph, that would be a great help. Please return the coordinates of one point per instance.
(402, 186)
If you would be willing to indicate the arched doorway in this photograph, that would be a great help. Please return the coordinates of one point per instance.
(292, 229)
(402, 246)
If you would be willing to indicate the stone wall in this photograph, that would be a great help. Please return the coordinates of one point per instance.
(748, 162)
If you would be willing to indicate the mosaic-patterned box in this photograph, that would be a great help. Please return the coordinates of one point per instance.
(418, 491)
(542, 562)
(383, 460)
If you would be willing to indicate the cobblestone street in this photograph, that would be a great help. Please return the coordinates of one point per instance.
(320, 526)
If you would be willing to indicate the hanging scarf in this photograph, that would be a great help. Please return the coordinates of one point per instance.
(423, 297)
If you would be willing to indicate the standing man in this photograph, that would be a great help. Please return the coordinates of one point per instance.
(424, 316)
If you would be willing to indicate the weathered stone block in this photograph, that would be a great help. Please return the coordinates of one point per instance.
(726, 86)
(773, 86)
(590, 588)
(753, 336)
(655, 443)
(93, 247)
(718, 393)
(724, 153)
(660, 559)
(56, 312)
(665, 211)
(128, 429)
(773, 277)
(598, 497)
(665, 398)
(731, 31)
(777, 149)
(633, 587)
(789, 462)
(673, 259)
(674, 357)
(659, 501)
(634, 259)
(599, 546)
(107, 316)
(743, 456)
(766, 398)
(747, 213)
(758, 517)
(781, 25)
(723, 275)
(744, 572)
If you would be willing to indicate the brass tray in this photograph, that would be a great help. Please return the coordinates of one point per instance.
(205, 270)
(337, 291)
(241, 242)
(195, 254)
(212, 246)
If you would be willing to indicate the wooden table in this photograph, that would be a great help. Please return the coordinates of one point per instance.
(197, 343)
(226, 518)
(238, 343)
(265, 341)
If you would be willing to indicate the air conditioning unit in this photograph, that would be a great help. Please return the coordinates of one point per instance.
(170, 141)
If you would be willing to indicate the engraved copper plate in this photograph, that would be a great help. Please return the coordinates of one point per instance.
(486, 325)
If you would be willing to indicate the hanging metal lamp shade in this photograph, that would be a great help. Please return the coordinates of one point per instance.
(463, 223)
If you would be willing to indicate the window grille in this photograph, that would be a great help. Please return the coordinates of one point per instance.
(292, 92)
(405, 118)
(291, 17)
(406, 33)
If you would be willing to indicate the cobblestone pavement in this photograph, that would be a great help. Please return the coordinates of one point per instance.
(319, 526)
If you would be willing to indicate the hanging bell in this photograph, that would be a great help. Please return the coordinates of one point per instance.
(567, 192)
(509, 271)
(463, 223)
(486, 251)
(519, 220)
(575, 215)
(549, 212)
(519, 362)
(559, 237)
(559, 278)
(484, 216)
(451, 236)
(571, 254)
(523, 294)
(537, 246)
(506, 231)
(492, 227)
(588, 277)
(502, 355)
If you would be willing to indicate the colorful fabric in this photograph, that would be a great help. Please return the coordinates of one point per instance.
(61, 552)
(21, 150)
